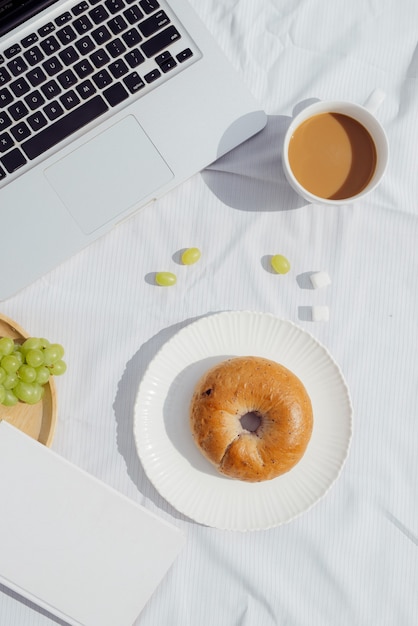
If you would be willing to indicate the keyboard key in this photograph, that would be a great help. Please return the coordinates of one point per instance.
(52, 66)
(134, 58)
(117, 25)
(4, 76)
(153, 24)
(165, 62)
(99, 14)
(53, 110)
(50, 45)
(79, 8)
(51, 89)
(29, 40)
(5, 97)
(11, 51)
(64, 127)
(67, 79)
(148, 6)
(13, 160)
(66, 34)
(83, 68)
(99, 58)
(101, 35)
(20, 87)
(6, 142)
(18, 110)
(116, 48)
(168, 65)
(183, 55)
(46, 29)
(34, 55)
(2, 173)
(118, 68)
(115, 94)
(83, 24)
(36, 76)
(114, 5)
(37, 121)
(5, 120)
(102, 79)
(17, 66)
(134, 82)
(163, 57)
(63, 19)
(20, 131)
(152, 76)
(86, 89)
(34, 100)
(133, 14)
(85, 45)
(160, 41)
(70, 99)
(131, 37)
(69, 55)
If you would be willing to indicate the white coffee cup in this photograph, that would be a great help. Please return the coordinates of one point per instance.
(364, 115)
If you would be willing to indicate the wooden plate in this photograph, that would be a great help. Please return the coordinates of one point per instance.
(36, 420)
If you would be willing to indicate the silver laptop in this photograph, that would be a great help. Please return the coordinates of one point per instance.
(105, 105)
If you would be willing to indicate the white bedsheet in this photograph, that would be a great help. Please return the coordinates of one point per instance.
(353, 558)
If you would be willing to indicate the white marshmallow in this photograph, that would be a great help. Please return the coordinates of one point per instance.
(320, 313)
(320, 279)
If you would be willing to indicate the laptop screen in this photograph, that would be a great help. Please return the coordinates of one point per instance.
(14, 12)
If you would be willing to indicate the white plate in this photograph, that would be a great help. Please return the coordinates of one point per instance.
(170, 457)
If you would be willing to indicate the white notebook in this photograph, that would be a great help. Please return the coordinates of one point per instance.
(71, 544)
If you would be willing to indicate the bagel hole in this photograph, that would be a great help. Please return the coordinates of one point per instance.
(250, 421)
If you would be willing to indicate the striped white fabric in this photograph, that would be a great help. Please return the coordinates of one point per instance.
(353, 558)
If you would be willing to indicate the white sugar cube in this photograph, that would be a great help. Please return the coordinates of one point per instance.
(320, 313)
(320, 279)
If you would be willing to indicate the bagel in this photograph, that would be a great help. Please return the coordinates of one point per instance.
(248, 389)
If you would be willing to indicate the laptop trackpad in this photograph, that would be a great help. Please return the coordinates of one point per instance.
(109, 174)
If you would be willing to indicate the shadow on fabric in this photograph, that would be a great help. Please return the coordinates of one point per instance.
(124, 408)
(250, 177)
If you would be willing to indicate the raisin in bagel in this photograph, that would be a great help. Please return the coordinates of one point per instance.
(255, 387)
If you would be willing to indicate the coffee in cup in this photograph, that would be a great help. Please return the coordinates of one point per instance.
(336, 152)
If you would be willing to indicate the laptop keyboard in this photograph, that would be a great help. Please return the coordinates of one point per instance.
(78, 67)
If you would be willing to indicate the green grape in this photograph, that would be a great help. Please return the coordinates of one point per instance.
(10, 381)
(19, 354)
(58, 368)
(53, 353)
(35, 357)
(27, 373)
(32, 343)
(190, 256)
(10, 363)
(10, 399)
(42, 375)
(30, 393)
(165, 279)
(280, 264)
(25, 369)
(6, 345)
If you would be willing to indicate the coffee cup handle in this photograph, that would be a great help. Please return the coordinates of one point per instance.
(375, 99)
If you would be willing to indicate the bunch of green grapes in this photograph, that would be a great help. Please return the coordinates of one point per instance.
(26, 367)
